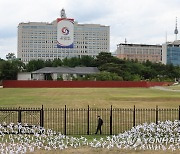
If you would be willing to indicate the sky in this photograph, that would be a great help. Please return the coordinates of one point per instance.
(139, 21)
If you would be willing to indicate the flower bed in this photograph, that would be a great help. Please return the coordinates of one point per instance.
(23, 139)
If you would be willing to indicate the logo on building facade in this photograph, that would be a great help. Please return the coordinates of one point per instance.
(65, 30)
(65, 33)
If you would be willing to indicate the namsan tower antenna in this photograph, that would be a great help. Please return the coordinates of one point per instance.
(176, 30)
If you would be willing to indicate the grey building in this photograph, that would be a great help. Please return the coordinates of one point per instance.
(38, 40)
(64, 73)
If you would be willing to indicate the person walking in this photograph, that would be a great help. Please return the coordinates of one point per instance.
(100, 123)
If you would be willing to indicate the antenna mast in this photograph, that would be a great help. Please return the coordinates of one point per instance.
(63, 14)
(176, 30)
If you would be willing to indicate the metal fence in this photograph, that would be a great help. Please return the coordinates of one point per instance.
(84, 121)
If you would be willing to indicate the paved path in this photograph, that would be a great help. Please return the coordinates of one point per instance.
(165, 89)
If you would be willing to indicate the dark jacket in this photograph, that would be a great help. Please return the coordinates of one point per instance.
(100, 122)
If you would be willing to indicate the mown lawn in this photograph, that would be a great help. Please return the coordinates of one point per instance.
(96, 98)
(82, 97)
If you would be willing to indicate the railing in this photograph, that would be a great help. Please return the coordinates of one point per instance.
(30, 116)
(84, 121)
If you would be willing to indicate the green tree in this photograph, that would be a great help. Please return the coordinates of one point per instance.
(19, 65)
(9, 69)
(71, 62)
(74, 61)
(103, 58)
(34, 65)
(57, 62)
(65, 62)
(1, 67)
(106, 57)
(87, 61)
(48, 63)
(112, 68)
(10, 56)
(107, 76)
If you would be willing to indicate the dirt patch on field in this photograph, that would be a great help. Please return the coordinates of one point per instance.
(103, 151)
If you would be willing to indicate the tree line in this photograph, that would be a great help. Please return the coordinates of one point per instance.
(111, 68)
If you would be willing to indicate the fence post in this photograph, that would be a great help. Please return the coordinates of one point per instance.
(88, 121)
(134, 116)
(156, 115)
(19, 115)
(65, 120)
(111, 121)
(179, 112)
(42, 117)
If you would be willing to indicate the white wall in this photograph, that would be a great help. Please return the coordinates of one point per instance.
(38, 77)
(54, 76)
(24, 76)
(164, 54)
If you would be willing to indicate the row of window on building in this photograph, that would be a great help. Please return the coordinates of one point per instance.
(168, 53)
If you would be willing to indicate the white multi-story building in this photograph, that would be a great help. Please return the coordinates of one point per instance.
(38, 40)
(140, 52)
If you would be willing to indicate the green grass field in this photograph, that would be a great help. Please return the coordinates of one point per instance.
(94, 97)
(177, 87)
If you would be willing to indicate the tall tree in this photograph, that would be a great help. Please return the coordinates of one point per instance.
(104, 58)
(57, 62)
(34, 65)
(8, 71)
(10, 56)
(74, 61)
(65, 62)
(48, 63)
(87, 61)
(71, 62)
(111, 67)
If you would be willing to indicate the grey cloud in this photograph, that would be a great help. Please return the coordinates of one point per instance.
(7, 45)
(87, 11)
(140, 21)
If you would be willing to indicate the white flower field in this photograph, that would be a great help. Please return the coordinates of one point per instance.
(15, 138)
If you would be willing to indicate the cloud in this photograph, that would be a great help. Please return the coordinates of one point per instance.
(139, 21)
(8, 45)
(88, 11)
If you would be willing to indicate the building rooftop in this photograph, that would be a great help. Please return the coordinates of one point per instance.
(67, 70)
(137, 45)
(176, 42)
